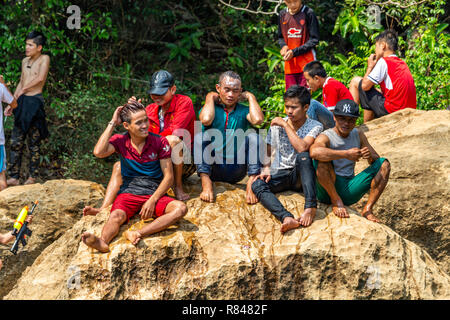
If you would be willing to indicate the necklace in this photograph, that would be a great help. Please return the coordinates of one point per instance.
(29, 66)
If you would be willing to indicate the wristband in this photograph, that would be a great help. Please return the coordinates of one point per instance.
(112, 123)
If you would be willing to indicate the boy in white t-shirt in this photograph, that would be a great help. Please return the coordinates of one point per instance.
(7, 97)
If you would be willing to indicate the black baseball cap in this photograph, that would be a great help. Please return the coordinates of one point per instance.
(161, 81)
(346, 108)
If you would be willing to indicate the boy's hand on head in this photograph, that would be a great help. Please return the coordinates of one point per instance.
(133, 98)
(116, 116)
(245, 96)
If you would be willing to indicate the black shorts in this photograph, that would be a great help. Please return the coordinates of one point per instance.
(372, 100)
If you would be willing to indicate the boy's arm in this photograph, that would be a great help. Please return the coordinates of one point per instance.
(368, 152)
(320, 150)
(103, 148)
(208, 112)
(6, 238)
(18, 91)
(375, 73)
(184, 114)
(13, 102)
(149, 206)
(255, 115)
(313, 29)
(281, 40)
(41, 76)
(299, 144)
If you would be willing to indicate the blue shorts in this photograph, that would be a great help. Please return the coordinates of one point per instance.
(2, 158)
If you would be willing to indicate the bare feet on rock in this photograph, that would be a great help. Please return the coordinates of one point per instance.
(94, 242)
(180, 194)
(288, 224)
(250, 197)
(339, 209)
(207, 188)
(133, 236)
(307, 217)
(90, 211)
(30, 180)
(368, 214)
(207, 195)
(11, 182)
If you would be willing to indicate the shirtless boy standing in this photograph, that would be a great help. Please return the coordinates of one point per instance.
(29, 116)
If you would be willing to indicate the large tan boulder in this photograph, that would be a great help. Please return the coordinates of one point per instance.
(60, 206)
(416, 200)
(229, 250)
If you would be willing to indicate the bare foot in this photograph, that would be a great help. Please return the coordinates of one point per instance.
(368, 214)
(339, 209)
(288, 224)
(133, 236)
(307, 217)
(94, 242)
(250, 197)
(12, 182)
(207, 195)
(30, 180)
(180, 194)
(207, 189)
(90, 211)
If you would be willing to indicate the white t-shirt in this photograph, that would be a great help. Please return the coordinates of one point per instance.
(380, 73)
(6, 97)
(285, 153)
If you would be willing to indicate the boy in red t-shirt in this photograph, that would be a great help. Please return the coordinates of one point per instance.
(172, 116)
(398, 90)
(147, 174)
(298, 35)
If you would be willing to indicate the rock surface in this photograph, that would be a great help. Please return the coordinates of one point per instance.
(228, 250)
(416, 202)
(60, 206)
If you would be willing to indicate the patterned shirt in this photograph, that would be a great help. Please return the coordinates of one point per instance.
(284, 151)
(141, 173)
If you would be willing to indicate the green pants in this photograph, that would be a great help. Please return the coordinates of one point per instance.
(350, 189)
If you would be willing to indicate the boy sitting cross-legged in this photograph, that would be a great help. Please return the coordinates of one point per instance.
(147, 175)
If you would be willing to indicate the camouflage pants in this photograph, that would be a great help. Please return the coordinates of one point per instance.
(17, 146)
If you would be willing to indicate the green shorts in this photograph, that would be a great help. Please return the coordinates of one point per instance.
(350, 189)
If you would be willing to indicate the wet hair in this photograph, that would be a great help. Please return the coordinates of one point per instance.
(128, 109)
(315, 68)
(230, 74)
(299, 92)
(37, 37)
(390, 37)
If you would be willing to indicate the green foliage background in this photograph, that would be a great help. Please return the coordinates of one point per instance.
(122, 42)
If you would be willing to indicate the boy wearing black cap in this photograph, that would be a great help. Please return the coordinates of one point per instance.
(172, 116)
(335, 152)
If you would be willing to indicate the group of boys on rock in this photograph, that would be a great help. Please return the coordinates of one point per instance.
(314, 148)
